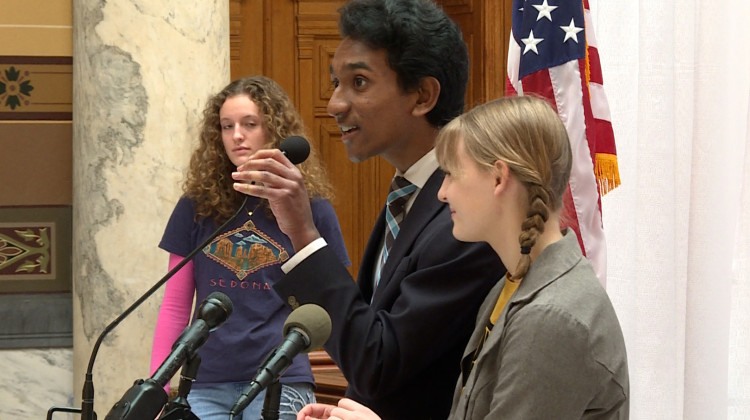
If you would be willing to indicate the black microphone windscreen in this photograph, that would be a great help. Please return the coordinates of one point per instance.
(215, 309)
(296, 149)
(314, 321)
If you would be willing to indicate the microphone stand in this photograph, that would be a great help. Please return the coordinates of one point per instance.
(272, 401)
(178, 408)
(87, 400)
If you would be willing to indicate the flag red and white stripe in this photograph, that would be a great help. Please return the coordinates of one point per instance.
(553, 54)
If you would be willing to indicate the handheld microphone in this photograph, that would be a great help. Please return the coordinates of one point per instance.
(145, 399)
(307, 328)
(295, 148)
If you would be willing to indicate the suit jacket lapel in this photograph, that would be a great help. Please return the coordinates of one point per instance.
(425, 207)
(365, 278)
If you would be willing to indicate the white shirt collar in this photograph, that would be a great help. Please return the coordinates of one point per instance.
(421, 170)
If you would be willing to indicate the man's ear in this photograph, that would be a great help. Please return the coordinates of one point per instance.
(428, 92)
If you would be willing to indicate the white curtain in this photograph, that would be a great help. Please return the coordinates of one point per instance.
(677, 75)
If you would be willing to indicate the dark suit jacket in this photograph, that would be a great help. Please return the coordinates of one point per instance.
(401, 354)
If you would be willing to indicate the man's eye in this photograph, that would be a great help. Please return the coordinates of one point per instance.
(359, 81)
(335, 83)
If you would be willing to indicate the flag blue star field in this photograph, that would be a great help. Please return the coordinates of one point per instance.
(553, 54)
(549, 33)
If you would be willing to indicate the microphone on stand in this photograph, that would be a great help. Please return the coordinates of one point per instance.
(87, 400)
(272, 402)
(296, 149)
(179, 408)
(213, 312)
(145, 399)
(307, 328)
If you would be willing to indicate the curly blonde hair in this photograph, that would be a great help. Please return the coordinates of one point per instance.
(209, 180)
(527, 134)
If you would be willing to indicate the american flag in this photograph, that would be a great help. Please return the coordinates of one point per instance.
(553, 54)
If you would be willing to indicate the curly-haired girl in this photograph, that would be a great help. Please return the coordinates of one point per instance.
(244, 260)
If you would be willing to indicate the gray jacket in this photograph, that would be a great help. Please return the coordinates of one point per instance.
(556, 352)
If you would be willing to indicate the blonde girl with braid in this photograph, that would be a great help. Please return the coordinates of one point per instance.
(547, 343)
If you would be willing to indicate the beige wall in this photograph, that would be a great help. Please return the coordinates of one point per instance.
(36, 196)
(35, 135)
(36, 28)
(36, 158)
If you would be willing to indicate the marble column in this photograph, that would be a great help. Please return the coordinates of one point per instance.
(143, 70)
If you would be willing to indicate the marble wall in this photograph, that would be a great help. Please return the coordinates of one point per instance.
(142, 70)
(35, 380)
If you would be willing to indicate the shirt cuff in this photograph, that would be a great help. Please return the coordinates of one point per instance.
(302, 254)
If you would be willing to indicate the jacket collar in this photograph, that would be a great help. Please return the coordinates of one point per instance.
(557, 259)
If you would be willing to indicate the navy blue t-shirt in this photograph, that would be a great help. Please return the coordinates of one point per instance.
(244, 262)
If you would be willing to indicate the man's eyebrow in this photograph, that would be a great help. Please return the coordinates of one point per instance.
(357, 65)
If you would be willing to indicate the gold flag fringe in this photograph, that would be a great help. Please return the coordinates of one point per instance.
(607, 172)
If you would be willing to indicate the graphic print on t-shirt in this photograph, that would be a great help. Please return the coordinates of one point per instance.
(245, 250)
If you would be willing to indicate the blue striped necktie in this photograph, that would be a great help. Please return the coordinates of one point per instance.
(401, 191)
(395, 211)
